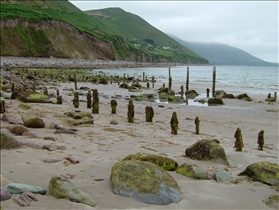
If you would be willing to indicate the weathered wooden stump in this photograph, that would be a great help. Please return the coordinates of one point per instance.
(131, 112)
(149, 113)
(261, 140)
(174, 123)
(95, 103)
(76, 101)
(46, 92)
(89, 102)
(113, 104)
(197, 123)
(238, 140)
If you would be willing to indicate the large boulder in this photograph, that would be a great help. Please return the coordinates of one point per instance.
(17, 129)
(164, 162)
(32, 119)
(215, 101)
(61, 187)
(7, 140)
(191, 170)
(207, 150)
(144, 182)
(265, 172)
(244, 97)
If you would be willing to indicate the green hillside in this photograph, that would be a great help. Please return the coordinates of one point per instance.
(222, 54)
(141, 35)
(134, 39)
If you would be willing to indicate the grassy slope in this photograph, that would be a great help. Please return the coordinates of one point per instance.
(137, 31)
(64, 11)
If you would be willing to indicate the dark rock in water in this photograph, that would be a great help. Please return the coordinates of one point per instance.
(219, 94)
(163, 90)
(5, 194)
(144, 182)
(264, 172)
(244, 96)
(62, 187)
(17, 129)
(162, 161)
(207, 150)
(229, 95)
(191, 94)
(10, 118)
(271, 99)
(7, 140)
(32, 119)
(220, 176)
(215, 101)
(176, 100)
(272, 201)
(18, 188)
(124, 85)
(191, 170)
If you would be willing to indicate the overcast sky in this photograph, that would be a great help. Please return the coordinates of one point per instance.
(251, 26)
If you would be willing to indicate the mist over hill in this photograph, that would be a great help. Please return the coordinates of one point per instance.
(222, 54)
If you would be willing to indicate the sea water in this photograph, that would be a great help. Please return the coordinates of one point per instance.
(231, 79)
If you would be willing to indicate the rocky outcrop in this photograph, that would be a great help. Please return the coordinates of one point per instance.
(144, 182)
(162, 161)
(265, 172)
(207, 150)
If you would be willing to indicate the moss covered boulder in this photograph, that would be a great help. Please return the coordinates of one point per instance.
(17, 129)
(162, 161)
(208, 150)
(215, 101)
(61, 187)
(78, 114)
(30, 97)
(265, 172)
(191, 170)
(32, 119)
(144, 182)
(244, 97)
(176, 100)
(7, 141)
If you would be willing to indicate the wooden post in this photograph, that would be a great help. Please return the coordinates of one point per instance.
(214, 80)
(238, 140)
(95, 102)
(153, 80)
(143, 76)
(131, 112)
(113, 104)
(170, 83)
(89, 101)
(197, 123)
(275, 95)
(149, 113)
(207, 92)
(261, 140)
(174, 123)
(187, 79)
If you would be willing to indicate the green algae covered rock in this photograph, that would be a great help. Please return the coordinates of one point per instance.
(162, 161)
(144, 182)
(191, 170)
(264, 172)
(78, 114)
(8, 141)
(272, 201)
(61, 187)
(207, 150)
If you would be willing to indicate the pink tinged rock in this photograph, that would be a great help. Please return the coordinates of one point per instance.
(5, 194)
(30, 135)
(10, 118)
(50, 138)
(57, 131)
(51, 160)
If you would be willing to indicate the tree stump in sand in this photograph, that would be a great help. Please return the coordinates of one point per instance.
(238, 140)
(149, 113)
(261, 140)
(113, 104)
(89, 102)
(197, 123)
(75, 101)
(131, 112)
(174, 123)
(95, 103)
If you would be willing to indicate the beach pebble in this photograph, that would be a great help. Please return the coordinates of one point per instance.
(51, 160)
(50, 138)
(5, 194)
(30, 134)
(220, 176)
(113, 122)
(18, 188)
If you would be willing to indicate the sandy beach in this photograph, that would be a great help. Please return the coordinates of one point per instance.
(100, 145)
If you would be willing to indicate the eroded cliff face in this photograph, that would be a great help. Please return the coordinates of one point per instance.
(51, 38)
